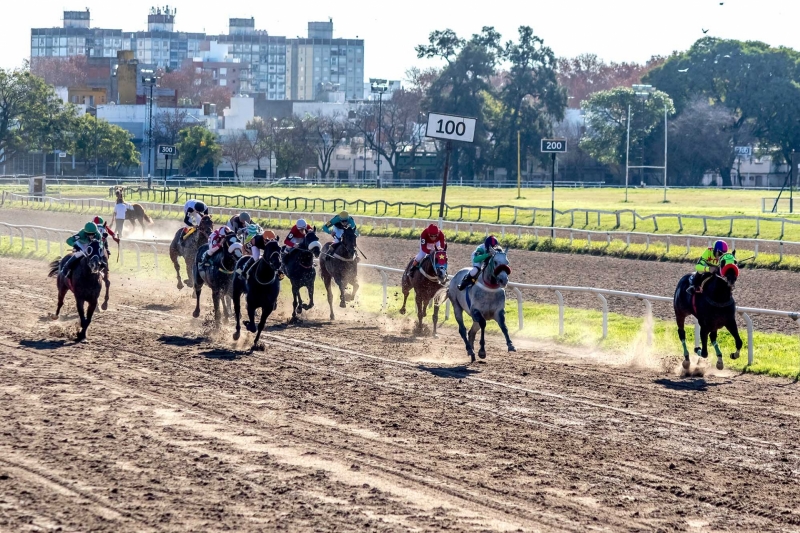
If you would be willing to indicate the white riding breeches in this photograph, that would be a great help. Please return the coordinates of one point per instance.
(420, 256)
(337, 234)
(474, 270)
(256, 253)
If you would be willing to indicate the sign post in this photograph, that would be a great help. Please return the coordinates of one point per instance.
(167, 151)
(449, 128)
(553, 147)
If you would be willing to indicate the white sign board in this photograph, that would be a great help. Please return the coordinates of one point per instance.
(450, 127)
(744, 151)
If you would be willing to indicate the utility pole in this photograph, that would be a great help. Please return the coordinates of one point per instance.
(379, 86)
(519, 166)
(152, 80)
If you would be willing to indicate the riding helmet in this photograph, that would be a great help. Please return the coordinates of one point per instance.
(200, 207)
(244, 217)
(252, 231)
(433, 230)
(720, 247)
(269, 235)
(90, 228)
(344, 215)
(490, 242)
(99, 221)
(301, 224)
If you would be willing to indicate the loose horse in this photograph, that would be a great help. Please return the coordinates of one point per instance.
(339, 263)
(261, 289)
(298, 265)
(135, 214)
(187, 248)
(217, 273)
(85, 283)
(485, 300)
(713, 306)
(429, 283)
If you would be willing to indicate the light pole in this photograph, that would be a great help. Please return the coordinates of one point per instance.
(150, 79)
(92, 110)
(643, 92)
(379, 86)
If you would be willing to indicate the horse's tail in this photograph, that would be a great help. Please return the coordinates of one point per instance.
(55, 267)
(139, 210)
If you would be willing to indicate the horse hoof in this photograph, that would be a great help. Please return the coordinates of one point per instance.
(81, 337)
(698, 351)
(104, 307)
(258, 348)
(735, 355)
(511, 348)
(482, 353)
(333, 317)
(236, 335)
(196, 313)
(720, 366)
(250, 327)
(435, 335)
(342, 304)
(686, 364)
(402, 310)
(189, 283)
(308, 306)
(180, 285)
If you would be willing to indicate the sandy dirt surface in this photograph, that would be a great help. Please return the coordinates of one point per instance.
(158, 424)
(766, 289)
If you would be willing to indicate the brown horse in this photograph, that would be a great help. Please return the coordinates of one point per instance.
(136, 213)
(429, 282)
(187, 247)
(85, 282)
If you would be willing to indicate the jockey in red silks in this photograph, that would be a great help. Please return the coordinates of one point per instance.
(430, 239)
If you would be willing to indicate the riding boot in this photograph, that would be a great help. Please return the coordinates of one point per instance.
(413, 269)
(466, 282)
(694, 281)
(66, 270)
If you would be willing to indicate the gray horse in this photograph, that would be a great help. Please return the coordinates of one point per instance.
(485, 300)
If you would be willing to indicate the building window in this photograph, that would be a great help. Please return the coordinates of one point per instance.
(223, 83)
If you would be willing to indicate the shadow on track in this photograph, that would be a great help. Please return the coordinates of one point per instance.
(449, 372)
(176, 340)
(43, 344)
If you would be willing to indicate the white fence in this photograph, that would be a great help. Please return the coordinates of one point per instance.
(384, 271)
(669, 241)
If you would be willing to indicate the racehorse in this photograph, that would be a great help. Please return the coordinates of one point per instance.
(85, 283)
(216, 271)
(340, 264)
(485, 300)
(713, 306)
(261, 289)
(135, 214)
(298, 265)
(429, 283)
(187, 248)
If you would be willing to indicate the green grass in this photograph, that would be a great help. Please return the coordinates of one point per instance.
(774, 354)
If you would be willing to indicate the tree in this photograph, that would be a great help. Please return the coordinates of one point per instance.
(60, 71)
(262, 142)
(196, 88)
(399, 126)
(463, 86)
(759, 84)
(530, 99)
(291, 146)
(167, 125)
(108, 144)
(586, 74)
(197, 147)
(236, 149)
(324, 135)
(607, 122)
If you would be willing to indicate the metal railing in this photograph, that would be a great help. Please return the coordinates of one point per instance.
(668, 240)
(384, 271)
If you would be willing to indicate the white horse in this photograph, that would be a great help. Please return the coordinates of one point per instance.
(485, 300)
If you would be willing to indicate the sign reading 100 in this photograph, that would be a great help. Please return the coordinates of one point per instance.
(451, 127)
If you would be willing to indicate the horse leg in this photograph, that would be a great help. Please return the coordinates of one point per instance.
(435, 319)
(250, 324)
(420, 311)
(734, 331)
(310, 289)
(680, 318)
(342, 295)
(90, 308)
(237, 310)
(263, 320)
(703, 342)
(198, 288)
(458, 313)
(501, 321)
(327, 281)
(355, 290)
(406, 292)
(107, 284)
(215, 297)
(82, 333)
(62, 292)
(713, 336)
(189, 270)
(481, 322)
(295, 305)
(173, 256)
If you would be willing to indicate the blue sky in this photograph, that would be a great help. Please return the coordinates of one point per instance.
(619, 30)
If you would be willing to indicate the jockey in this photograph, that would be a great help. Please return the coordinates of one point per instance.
(339, 223)
(251, 232)
(193, 211)
(79, 242)
(708, 264)
(105, 231)
(217, 239)
(431, 239)
(258, 244)
(297, 234)
(239, 222)
(480, 258)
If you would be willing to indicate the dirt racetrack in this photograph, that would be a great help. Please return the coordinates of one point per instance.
(158, 425)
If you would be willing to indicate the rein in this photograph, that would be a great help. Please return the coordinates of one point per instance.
(433, 278)
(270, 282)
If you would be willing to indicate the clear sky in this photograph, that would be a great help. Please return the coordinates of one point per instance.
(618, 30)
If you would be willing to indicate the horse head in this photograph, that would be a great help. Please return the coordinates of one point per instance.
(439, 261)
(729, 269)
(349, 241)
(272, 254)
(94, 253)
(311, 242)
(206, 226)
(499, 270)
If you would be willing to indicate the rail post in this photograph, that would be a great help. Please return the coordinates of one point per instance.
(520, 310)
(604, 304)
(648, 318)
(749, 322)
(385, 280)
(447, 309)
(35, 239)
(560, 298)
(155, 256)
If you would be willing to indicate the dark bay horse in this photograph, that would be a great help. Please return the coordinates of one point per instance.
(713, 306)
(85, 282)
(261, 289)
(135, 214)
(339, 263)
(217, 273)
(429, 283)
(485, 300)
(298, 265)
(187, 248)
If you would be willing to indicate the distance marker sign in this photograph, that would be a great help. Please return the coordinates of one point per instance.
(554, 146)
(165, 149)
(451, 127)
